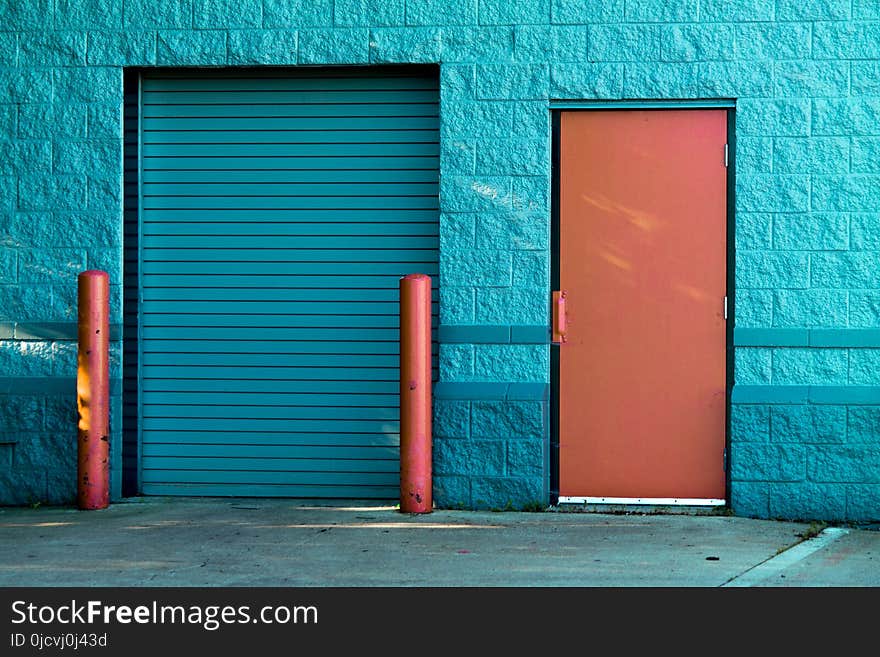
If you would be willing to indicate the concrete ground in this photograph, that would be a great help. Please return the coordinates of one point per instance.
(245, 542)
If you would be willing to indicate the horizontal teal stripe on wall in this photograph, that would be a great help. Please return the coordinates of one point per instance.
(805, 395)
(48, 331)
(47, 385)
(493, 334)
(482, 391)
(802, 337)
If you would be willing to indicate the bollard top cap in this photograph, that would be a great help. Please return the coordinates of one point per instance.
(415, 277)
(94, 273)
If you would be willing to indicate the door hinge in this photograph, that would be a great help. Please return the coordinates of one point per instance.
(724, 460)
(725, 154)
(725, 307)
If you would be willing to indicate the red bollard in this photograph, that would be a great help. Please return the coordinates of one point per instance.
(415, 394)
(93, 391)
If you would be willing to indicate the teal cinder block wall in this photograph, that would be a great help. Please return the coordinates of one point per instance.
(805, 417)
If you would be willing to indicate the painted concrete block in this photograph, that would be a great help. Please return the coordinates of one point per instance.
(754, 230)
(789, 117)
(753, 308)
(810, 308)
(451, 492)
(469, 457)
(783, 41)
(103, 156)
(863, 424)
(513, 362)
(749, 423)
(481, 119)
(846, 116)
(52, 192)
(753, 366)
(409, 45)
(36, 14)
(813, 155)
(451, 418)
(798, 366)
(507, 419)
(839, 40)
(26, 85)
(50, 265)
(866, 155)
(695, 43)
(165, 14)
(531, 268)
(129, 48)
(845, 463)
(719, 11)
(818, 10)
(506, 493)
(669, 11)
(550, 43)
(219, 14)
(864, 367)
(862, 501)
(624, 43)
(457, 305)
(88, 85)
(865, 78)
(768, 462)
(509, 12)
(87, 14)
(512, 157)
(808, 424)
(44, 121)
(819, 231)
(856, 269)
(297, 13)
(495, 81)
(185, 48)
(750, 498)
(456, 362)
(586, 81)
(807, 501)
(864, 308)
(25, 157)
(762, 269)
(478, 44)
(811, 79)
(457, 232)
(249, 47)
(52, 49)
(773, 193)
(430, 12)
(512, 230)
(350, 13)
(476, 194)
(457, 81)
(586, 11)
(525, 458)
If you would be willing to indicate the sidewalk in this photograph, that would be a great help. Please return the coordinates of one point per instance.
(246, 542)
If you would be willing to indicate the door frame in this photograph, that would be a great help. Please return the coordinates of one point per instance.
(556, 109)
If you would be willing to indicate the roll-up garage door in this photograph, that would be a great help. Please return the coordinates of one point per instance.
(278, 212)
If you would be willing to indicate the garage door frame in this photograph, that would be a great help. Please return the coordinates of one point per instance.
(132, 443)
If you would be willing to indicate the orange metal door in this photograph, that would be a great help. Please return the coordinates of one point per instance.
(642, 264)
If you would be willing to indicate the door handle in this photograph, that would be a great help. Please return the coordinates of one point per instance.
(559, 319)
